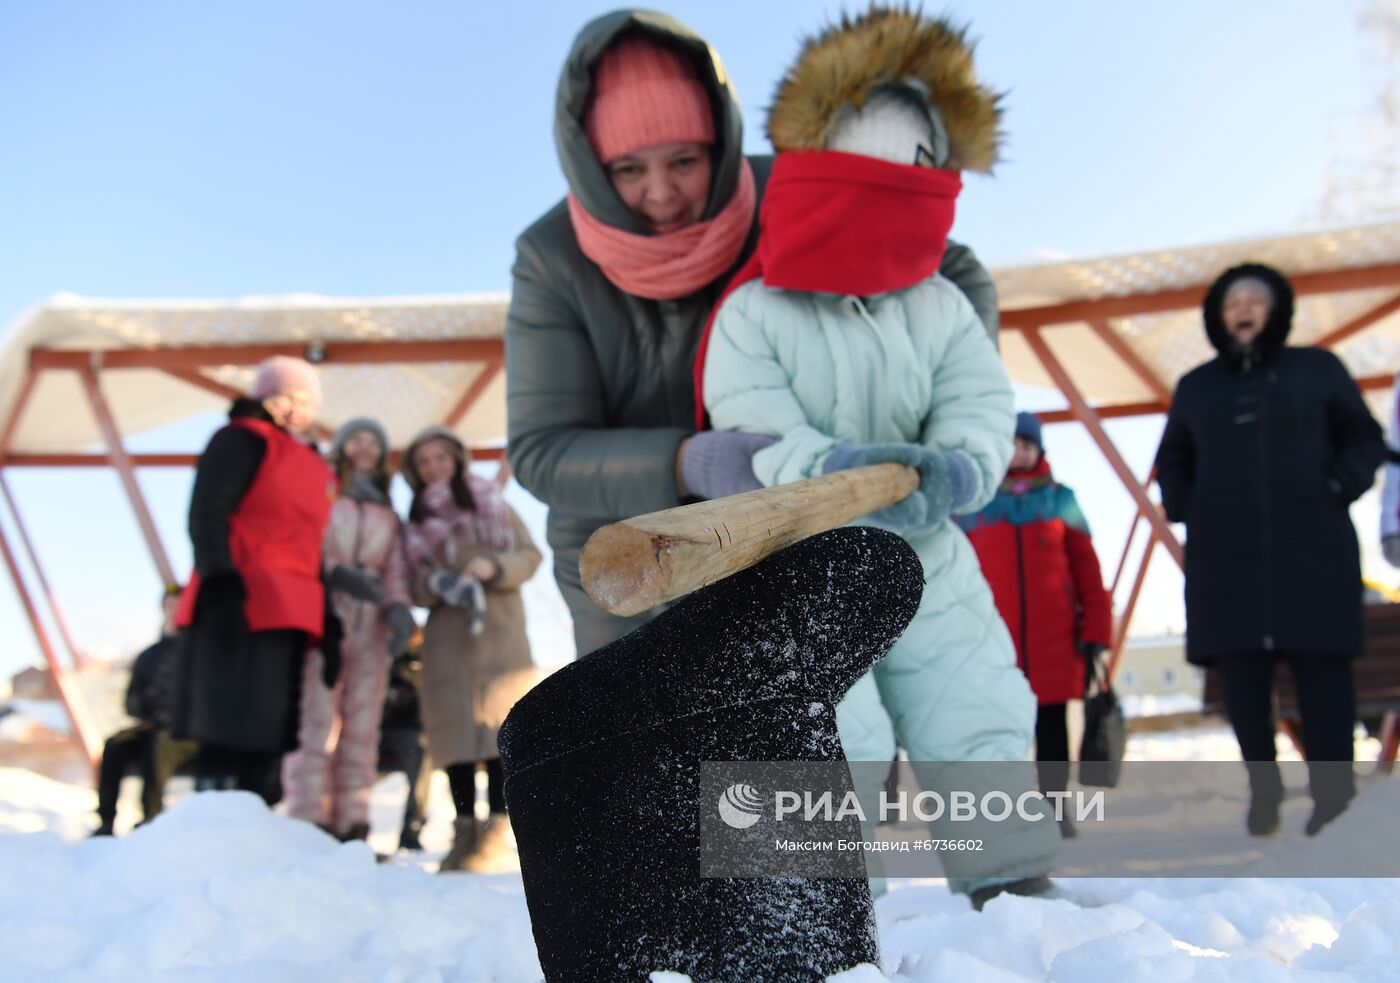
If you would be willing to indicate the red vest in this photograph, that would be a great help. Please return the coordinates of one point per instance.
(275, 536)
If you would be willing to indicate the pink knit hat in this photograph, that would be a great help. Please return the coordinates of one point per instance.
(645, 94)
(283, 374)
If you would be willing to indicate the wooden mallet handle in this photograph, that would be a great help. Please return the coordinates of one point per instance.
(630, 566)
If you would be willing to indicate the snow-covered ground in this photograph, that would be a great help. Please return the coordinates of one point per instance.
(221, 889)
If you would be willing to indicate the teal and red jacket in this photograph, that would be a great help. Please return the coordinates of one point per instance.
(1036, 554)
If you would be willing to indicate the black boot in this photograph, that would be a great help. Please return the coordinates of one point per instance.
(360, 831)
(1333, 785)
(891, 791)
(1262, 818)
(1322, 815)
(602, 764)
(466, 833)
(215, 783)
(1265, 797)
(1068, 830)
(1029, 887)
(409, 836)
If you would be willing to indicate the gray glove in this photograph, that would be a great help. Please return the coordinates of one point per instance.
(401, 628)
(720, 462)
(461, 591)
(946, 481)
(1390, 546)
(359, 584)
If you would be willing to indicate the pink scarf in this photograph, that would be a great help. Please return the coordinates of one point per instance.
(664, 267)
(448, 530)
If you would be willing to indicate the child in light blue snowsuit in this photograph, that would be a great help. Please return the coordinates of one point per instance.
(850, 349)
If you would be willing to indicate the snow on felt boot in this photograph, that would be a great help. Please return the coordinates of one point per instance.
(602, 763)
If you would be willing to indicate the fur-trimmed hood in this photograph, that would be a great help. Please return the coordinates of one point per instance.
(1271, 340)
(842, 65)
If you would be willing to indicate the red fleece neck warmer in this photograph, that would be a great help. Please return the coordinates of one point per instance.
(839, 223)
(1018, 481)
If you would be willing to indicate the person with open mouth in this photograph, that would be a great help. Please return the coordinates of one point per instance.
(1266, 446)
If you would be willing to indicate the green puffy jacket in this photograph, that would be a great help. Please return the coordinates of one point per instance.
(599, 382)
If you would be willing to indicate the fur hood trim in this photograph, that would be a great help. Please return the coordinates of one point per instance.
(843, 64)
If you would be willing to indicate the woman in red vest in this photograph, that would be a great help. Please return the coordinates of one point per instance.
(1036, 554)
(256, 600)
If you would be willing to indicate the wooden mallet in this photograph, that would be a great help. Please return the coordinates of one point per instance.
(631, 566)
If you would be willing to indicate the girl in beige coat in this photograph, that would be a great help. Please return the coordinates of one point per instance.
(469, 555)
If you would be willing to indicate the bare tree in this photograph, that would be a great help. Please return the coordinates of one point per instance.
(1363, 181)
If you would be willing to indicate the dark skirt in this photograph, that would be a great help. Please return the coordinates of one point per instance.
(243, 692)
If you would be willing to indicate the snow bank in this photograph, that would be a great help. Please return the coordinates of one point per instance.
(220, 889)
(31, 803)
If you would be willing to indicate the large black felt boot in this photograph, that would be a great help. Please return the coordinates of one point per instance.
(602, 764)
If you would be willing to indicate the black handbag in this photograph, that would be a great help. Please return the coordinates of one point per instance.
(1105, 730)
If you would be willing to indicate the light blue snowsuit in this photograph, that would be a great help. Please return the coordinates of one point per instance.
(911, 366)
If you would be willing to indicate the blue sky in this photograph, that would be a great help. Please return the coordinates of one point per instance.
(216, 149)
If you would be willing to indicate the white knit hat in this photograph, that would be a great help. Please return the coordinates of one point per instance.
(892, 125)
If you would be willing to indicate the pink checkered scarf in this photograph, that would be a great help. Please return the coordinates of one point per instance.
(449, 531)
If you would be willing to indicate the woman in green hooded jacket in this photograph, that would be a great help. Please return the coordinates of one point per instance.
(614, 284)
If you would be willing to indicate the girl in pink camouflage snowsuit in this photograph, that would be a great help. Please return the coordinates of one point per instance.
(328, 779)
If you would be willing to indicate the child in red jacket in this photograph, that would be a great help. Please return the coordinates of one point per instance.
(1035, 551)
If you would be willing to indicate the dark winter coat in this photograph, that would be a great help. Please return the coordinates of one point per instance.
(242, 689)
(600, 391)
(1035, 551)
(1263, 452)
(150, 692)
